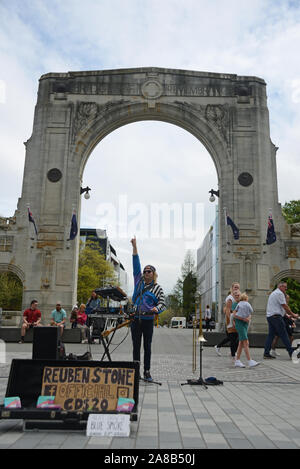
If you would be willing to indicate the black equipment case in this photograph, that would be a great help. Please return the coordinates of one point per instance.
(25, 381)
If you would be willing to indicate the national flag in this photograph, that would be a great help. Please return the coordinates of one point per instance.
(235, 230)
(31, 219)
(74, 227)
(271, 235)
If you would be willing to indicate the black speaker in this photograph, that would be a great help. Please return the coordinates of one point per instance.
(45, 343)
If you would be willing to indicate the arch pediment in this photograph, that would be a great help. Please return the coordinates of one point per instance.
(227, 113)
(209, 124)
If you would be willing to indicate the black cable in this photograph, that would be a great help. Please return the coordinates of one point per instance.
(121, 341)
(260, 382)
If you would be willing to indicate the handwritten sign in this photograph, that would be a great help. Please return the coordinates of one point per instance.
(88, 388)
(108, 425)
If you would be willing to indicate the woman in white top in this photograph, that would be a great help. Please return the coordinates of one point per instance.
(231, 334)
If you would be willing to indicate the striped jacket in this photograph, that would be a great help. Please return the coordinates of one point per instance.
(145, 297)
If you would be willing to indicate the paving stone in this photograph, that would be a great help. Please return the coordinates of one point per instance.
(248, 411)
(239, 443)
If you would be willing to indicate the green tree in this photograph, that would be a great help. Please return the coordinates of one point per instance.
(94, 271)
(188, 270)
(189, 292)
(293, 290)
(182, 299)
(176, 298)
(291, 211)
(165, 317)
(11, 291)
(188, 265)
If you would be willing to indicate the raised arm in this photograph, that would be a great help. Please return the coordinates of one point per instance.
(134, 246)
(137, 271)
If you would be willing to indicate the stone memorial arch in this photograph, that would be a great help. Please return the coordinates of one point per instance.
(227, 113)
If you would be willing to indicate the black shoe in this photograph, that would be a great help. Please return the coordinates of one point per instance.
(147, 376)
(268, 356)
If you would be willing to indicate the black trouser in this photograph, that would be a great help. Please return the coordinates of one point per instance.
(233, 338)
(277, 327)
(139, 328)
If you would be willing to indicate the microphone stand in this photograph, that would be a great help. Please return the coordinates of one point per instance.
(200, 381)
(150, 382)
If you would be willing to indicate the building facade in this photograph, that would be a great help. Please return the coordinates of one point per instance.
(208, 270)
(100, 236)
(75, 111)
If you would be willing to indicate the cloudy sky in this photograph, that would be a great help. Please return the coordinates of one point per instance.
(148, 162)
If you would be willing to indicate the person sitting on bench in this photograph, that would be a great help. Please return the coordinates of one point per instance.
(58, 317)
(31, 318)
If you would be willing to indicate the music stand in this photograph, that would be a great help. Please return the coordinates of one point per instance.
(110, 293)
(200, 381)
(106, 343)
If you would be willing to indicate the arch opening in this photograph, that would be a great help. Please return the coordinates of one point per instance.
(151, 163)
(11, 296)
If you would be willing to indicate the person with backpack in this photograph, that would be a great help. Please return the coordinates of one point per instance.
(148, 300)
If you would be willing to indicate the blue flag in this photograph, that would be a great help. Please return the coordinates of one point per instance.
(74, 227)
(271, 235)
(31, 219)
(235, 230)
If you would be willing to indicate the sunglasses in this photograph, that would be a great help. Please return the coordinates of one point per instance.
(147, 271)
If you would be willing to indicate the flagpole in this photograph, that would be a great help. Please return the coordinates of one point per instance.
(29, 233)
(226, 231)
(74, 226)
(271, 234)
(30, 223)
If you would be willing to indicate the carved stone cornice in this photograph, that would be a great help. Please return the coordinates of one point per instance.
(85, 113)
(217, 115)
(88, 112)
(295, 230)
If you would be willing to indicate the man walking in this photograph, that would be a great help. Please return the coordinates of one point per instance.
(276, 310)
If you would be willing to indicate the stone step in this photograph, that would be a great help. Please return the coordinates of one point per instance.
(256, 339)
(13, 334)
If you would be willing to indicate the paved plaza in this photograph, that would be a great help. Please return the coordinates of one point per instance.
(254, 408)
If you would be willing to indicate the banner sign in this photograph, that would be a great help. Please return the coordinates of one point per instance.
(108, 425)
(87, 388)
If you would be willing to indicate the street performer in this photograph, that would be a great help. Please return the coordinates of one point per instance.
(148, 300)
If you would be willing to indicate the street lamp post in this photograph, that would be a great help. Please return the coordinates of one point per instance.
(85, 191)
(212, 195)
